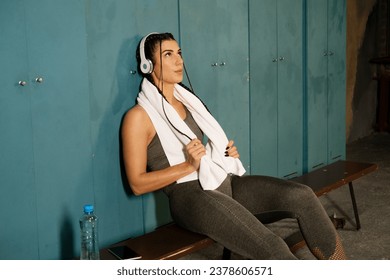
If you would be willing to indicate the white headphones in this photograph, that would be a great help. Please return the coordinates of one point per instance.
(146, 64)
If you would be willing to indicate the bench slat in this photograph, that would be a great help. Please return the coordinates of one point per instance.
(335, 175)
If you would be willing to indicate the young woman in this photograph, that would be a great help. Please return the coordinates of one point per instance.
(163, 148)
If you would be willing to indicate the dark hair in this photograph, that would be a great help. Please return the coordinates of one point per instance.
(151, 44)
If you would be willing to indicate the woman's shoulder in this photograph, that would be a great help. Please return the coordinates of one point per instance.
(135, 113)
(137, 118)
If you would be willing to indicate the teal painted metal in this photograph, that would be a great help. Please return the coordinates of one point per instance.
(263, 87)
(290, 88)
(60, 117)
(57, 140)
(336, 80)
(326, 24)
(214, 39)
(304, 71)
(276, 87)
(317, 84)
(18, 195)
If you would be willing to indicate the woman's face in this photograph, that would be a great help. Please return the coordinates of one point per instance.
(168, 66)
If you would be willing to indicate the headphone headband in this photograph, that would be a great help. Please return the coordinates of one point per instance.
(146, 64)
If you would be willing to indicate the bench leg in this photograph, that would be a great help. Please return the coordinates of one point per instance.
(226, 254)
(355, 210)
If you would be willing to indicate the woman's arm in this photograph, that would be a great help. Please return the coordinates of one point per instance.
(137, 133)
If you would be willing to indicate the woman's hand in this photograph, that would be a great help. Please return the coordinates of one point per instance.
(231, 150)
(195, 151)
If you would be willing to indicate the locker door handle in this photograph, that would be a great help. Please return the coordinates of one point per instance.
(22, 83)
(328, 53)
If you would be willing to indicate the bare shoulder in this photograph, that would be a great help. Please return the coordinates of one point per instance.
(135, 113)
(136, 120)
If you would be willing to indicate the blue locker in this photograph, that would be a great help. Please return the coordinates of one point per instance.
(214, 39)
(276, 90)
(326, 89)
(54, 174)
(17, 182)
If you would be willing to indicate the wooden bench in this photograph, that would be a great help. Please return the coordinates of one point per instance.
(165, 243)
(173, 242)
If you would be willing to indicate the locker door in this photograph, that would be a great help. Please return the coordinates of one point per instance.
(317, 84)
(336, 79)
(214, 40)
(276, 88)
(57, 56)
(17, 182)
(263, 87)
(290, 88)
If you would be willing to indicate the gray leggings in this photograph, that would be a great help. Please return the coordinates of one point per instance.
(227, 215)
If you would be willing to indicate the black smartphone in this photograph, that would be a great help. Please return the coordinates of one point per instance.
(124, 253)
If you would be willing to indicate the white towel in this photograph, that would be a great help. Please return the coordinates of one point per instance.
(214, 166)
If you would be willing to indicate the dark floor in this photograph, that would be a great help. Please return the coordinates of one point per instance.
(372, 241)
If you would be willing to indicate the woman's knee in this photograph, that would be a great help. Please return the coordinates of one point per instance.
(302, 191)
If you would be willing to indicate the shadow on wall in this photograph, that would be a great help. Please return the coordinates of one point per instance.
(125, 181)
(128, 85)
(112, 93)
(67, 237)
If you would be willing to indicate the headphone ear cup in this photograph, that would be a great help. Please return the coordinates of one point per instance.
(147, 66)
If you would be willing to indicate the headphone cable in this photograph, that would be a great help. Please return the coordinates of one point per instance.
(163, 97)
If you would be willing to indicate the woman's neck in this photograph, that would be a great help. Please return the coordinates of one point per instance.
(168, 90)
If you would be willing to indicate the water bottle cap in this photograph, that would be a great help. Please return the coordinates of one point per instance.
(88, 208)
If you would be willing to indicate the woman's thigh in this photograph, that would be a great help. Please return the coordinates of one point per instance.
(200, 210)
(263, 193)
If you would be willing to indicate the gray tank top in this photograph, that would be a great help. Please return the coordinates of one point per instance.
(157, 159)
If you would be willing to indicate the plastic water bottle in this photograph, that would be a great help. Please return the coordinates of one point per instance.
(89, 235)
